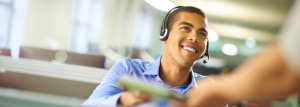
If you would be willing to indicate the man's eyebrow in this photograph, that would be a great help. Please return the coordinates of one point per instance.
(191, 25)
(186, 23)
(202, 29)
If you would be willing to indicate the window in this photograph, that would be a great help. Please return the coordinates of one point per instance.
(87, 20)
(143, 29)
(5, 21)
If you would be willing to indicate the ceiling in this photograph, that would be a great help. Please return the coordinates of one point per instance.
(236, 20)
(260, 19)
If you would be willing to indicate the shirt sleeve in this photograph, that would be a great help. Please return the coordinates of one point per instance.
(107, 93)
(289, 36)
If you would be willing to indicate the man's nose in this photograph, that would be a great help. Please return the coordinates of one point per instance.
(193, 38)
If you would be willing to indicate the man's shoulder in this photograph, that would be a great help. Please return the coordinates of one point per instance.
(134, 62)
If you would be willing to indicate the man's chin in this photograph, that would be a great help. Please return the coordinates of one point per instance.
(191, 61)
(188, 61)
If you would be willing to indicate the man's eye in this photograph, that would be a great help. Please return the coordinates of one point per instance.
(203, 34)
(185, 28)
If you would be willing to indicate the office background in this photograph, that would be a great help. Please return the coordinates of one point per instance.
(55, 52)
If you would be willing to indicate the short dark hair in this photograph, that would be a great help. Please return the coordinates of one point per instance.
(174, 15)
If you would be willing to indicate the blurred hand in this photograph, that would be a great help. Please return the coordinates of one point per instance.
(206, 95)
(133, 98)
(177, 103)
(256, 103)
(180, 103)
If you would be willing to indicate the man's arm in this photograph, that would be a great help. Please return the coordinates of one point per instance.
(107, 93)
(262, 77)
(268, 75)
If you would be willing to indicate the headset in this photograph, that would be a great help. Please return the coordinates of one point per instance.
(164, 32)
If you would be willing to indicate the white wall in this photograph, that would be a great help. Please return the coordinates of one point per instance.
(52, 18)
(48, 18)
(155, 46)
(118, 27)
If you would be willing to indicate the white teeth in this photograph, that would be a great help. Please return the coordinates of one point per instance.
(190, 49)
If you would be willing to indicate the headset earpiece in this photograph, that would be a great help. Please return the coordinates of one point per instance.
(206, 53)
(164, 35)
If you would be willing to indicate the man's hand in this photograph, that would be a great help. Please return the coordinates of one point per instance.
(132, 98)
(177, 103)
(204, 96)
(207, 94)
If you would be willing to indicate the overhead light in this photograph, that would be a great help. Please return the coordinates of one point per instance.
(212, 36)
(61, 56)
(229, 49)
(163, 5)
(239, 32)
(250, 42)
(230, 9)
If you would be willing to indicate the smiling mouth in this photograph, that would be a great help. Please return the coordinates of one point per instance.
(189, 48)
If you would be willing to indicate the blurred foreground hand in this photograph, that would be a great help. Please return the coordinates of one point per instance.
(197, 97)
(129, 99)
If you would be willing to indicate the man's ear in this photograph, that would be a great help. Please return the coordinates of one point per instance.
(164, 42)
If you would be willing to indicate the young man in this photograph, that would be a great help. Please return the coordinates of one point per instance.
(184, 39)
(273, 73)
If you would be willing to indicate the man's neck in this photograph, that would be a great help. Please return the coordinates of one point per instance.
(173, 73)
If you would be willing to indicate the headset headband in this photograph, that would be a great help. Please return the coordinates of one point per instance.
(164, 29)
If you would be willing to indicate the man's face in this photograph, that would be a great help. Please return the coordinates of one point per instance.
(187, 39)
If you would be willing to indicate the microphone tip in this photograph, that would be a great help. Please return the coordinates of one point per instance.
(204, 61)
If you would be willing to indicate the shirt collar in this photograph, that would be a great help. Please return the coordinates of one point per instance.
(185, 88)
(153, 69)
(193, 81)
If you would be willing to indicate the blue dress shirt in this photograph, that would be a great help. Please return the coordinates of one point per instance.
(107, 93)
